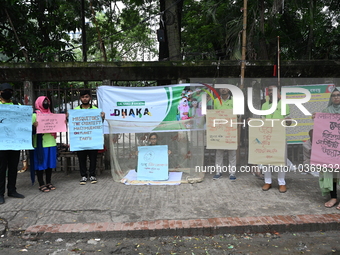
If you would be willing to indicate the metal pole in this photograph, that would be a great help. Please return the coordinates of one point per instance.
(278, 62)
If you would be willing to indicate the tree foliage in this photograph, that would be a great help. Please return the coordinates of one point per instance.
(40, 28)
(50, 30)
(43, 31)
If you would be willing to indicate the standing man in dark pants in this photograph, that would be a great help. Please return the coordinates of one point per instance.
(86, 98)
(9, 159)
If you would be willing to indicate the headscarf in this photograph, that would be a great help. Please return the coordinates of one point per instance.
(39, 105)
(332, 108)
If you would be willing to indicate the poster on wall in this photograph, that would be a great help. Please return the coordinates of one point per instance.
(319, 100)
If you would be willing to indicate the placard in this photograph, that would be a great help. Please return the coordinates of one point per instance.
(221, 129)
(15, 127)
(326, 140)
(51, 123)
(153, 163)
(267, 142)
(85, 130)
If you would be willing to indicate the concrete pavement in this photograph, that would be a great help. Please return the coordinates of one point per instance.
(210, 207)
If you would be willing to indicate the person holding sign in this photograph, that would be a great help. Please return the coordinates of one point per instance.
(44, 155)
(275, 115)
(227, 103)
(85, 98)
(153, 140)
(328, 180)
(9, 159)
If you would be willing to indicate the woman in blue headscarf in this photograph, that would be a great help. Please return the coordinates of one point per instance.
(329, 179)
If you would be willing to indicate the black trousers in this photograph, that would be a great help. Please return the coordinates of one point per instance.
(334, 192)
(9, 161)
(82, 158)
(40, 176)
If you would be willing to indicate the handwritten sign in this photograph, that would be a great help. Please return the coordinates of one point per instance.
(221, 132)
(153, 164)
(326, 140)
(51, 123)
(85, 130)
(15, 127)
(267, 143)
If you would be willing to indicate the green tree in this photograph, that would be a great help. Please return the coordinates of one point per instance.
(40, 28)
(307, 29)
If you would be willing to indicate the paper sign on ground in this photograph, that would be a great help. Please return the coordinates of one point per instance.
(153, 163)
(326, 140)
(51, 123)
(85, 130)
(267, 144)
(221, 134)
(15, 127)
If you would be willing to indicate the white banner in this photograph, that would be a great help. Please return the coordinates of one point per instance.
(146, 109)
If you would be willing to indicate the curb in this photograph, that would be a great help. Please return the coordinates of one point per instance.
(210, 226)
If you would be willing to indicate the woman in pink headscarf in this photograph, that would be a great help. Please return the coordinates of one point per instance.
(45, 148)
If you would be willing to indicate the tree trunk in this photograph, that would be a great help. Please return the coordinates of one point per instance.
(163, 45)
(172, 23)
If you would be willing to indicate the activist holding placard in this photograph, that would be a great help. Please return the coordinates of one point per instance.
(226, 103)
(86, 103)
(44, 155)
(276, 115)
(329, 178)
(9, 159)
(154, 165)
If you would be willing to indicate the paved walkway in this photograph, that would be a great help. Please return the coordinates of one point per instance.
(210, 207)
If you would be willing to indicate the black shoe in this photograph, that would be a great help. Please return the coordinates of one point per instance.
(93, 179)
(2, 200)
(83, 180)
(16, 195)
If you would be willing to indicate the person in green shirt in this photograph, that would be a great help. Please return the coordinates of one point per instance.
(9, 159)
(44, 155)
(227, 103)
(275, 115)
(86, 103)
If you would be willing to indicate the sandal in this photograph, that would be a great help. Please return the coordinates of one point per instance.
(50, 186)
(331, 203)
(44, 188)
